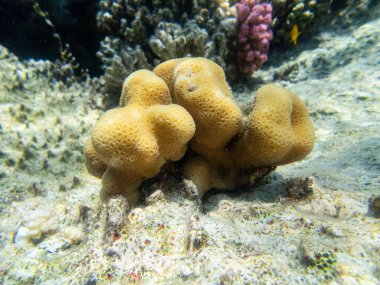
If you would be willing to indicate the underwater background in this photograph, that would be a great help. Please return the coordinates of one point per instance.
(314, 221)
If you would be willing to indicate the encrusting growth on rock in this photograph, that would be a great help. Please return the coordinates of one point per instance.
(184, 103)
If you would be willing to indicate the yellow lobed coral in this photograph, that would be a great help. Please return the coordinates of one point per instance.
(144, 88)
(277, 131)
(200, 87)
(133, 142)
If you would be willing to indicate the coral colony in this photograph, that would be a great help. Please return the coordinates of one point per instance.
(165, 112)
(255, 34)
(140, 35)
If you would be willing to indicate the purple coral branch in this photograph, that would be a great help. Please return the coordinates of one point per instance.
(255, 34)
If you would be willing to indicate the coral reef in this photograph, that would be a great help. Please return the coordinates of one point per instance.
(255, 34)
(240, 237)
(306, 14)
(135, 140)
(142, 34)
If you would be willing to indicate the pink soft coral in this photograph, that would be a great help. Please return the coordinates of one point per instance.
(255, 33)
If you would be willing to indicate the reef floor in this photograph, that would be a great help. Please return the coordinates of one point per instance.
(315, 221)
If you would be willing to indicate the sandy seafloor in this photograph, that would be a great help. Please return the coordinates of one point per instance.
(52, 221)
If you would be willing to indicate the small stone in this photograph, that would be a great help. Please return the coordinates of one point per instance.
(76, 181)
(224, 206)
(113, 251)
(45, 165)
(136, 216)
(332, 231)
(54, 244)
(306, 253)
(10, 162)
(22, 164)
(197, 239)
(91, 281)
(62, 188)
(197, 236)
(36, 189)
(190, 189)
(84, 212)
(28, 154)
(51, 154)
(73, 234)
(300, 188)
(374, 205)
(117, 208)
(186, 273)
(156, 196)
(22, 118)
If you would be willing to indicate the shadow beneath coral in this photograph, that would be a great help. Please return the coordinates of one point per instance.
(270, 190)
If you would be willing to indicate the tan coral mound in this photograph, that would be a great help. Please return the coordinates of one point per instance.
(134, 141)
(228, 145)
(278, 130)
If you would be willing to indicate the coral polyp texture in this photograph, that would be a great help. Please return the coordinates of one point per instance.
(255, 34)
(131, 143)
(185, 106)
